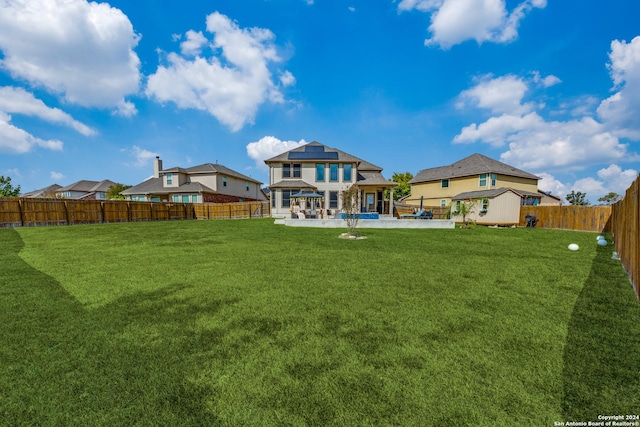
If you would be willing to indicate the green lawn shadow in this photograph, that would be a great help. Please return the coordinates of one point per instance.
(602, 353)
(65, 362)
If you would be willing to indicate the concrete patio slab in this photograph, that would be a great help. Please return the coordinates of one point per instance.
(369, 223)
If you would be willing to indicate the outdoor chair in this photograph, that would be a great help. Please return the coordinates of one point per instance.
(421, 214)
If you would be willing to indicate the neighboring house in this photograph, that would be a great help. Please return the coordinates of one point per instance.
(326, 171)
(44, 193)
(206, 183)
(548, 199)
(497, 189)
(85, 190)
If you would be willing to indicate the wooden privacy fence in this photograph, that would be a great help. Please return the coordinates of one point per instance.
(23, 212)
(625, 225)
(232, 210)
(583, 218)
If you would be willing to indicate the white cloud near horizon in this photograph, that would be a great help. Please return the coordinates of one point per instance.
(231, 83)
(79, 50)
(18, 141)
(141, 156)
(456, 21)
(18, 100)
(268, 147)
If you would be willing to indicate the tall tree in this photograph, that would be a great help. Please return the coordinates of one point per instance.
(577, 198)
(610, 198)
(6, 189)
(403, 188)
(114, 191)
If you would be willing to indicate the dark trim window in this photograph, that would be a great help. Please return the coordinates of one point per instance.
(246, 185)
(333, 172)
(320, 172)
(444, 183)
(346, 172)
(485, 206)
(494, 179)
(297, 170)
(169, 179)
(286, 197)
(286, 170)
(224, 181)
(288, 167)
(483, 180)
(333, 199)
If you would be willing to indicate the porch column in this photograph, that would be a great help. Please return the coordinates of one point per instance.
(391, 201)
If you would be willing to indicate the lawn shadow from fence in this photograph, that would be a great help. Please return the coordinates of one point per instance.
(601, 373)
(124, 363)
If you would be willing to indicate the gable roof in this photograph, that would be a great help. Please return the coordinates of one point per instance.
(315, 151)
(86, 186)
(474, 164)
(43, 192)
(210, 168)
(156, 186)
(494, 192)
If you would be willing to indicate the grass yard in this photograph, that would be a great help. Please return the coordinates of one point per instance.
(244, 322)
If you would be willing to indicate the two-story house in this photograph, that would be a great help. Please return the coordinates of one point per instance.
(327, 172)
(497, 189)
(85, 190)
(209, 182)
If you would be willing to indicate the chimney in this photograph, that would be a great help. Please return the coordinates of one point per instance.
(157, 167)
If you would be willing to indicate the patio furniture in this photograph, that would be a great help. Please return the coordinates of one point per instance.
(531, 221)
(421, 214)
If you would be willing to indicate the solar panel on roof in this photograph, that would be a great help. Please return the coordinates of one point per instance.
(314, 148)
(306, 155)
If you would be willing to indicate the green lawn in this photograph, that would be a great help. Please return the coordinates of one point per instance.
(244, 322)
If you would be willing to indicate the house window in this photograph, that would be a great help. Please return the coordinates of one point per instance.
(485, 205)
(286, 170)
(444, 183)
(194, 198)
(457, 206)
(185, 198)
(272, 195)
(286, 197)
(224, 181)
(176, 198)
(169, 179)
(297, 170)
(246, 185)
(346, 172)
(320, 172)
(483, 180)
(443, 203)
(333, 172)
(494, 179)
(333, 199)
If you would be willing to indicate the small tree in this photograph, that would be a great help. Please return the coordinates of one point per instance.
(610, 198)
(403, 188)
(113, 193)
(351, 207)
(6, 189)
(577, 198)
(463, 209)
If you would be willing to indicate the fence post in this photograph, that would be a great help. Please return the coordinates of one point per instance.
(21, 211)
(66, 211)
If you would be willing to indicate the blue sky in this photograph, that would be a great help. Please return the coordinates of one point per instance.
(96, 90)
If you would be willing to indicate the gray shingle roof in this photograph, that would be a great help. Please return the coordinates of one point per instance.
(475, 164)
(494, 192)
(313, 147)
(154, 186)
(292, 183)
(88, 186)
(374, 178)
(210, 168)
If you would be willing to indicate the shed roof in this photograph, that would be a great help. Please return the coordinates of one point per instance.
(494, 192)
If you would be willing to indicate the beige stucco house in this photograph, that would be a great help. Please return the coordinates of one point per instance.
(209, 182)
(326, 172)
(496, 189)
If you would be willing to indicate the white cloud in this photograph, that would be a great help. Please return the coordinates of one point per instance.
(270, 146)
(619, 112)
(56, 176)
(287, 79)
(499, 95)
(82, 51)
(616, 179)
(455, 21)
(549, 183)
(231, 84)
(351, 9)
(18, 100)
(194, 43)
(140, 156)
(18, 141)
